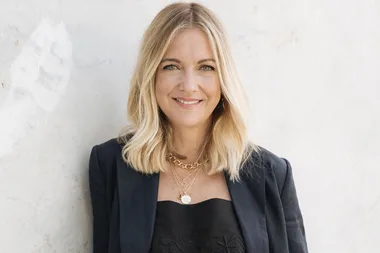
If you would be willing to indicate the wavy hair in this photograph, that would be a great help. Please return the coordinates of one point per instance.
(148, 138)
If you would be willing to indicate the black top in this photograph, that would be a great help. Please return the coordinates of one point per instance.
(209, 226)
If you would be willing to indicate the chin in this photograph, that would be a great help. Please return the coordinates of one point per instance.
(187, 123)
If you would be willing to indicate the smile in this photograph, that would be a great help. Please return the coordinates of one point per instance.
(192, 102)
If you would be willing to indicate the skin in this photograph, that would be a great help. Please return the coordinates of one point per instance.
(188, 72)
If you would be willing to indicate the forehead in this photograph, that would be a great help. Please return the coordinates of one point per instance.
(190, 43)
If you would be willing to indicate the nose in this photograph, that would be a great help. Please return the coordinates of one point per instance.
(188, 82)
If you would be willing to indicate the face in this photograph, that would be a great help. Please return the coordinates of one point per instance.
(187, 84)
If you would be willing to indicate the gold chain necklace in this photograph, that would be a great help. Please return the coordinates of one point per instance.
(186, 166)
(184, 186)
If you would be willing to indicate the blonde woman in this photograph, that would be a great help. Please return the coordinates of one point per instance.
(183, 177)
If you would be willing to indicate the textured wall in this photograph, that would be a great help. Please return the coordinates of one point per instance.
(310, 68)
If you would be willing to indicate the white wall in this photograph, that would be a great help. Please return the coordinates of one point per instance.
(310, 67)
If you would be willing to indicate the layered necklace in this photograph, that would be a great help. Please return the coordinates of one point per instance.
(184, 184)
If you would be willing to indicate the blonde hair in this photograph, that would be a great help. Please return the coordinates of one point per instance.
(148, 138)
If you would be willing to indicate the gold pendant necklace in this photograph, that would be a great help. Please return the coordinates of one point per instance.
(185, 186)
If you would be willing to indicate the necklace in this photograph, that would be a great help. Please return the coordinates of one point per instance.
(185, 184)
(186, 166)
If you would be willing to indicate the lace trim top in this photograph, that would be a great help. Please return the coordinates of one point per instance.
(209, 226)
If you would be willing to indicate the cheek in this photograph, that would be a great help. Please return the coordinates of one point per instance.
(164, 87)
(159, 89)
(165, 84)
(211, 86)
(161, 95)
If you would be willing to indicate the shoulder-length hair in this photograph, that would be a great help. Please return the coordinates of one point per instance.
(148, 138)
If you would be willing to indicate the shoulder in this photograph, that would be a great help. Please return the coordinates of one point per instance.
(270, 160)
(263, 161)
(107, 153)
(108, 148)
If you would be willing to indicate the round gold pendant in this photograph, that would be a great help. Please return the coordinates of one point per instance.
(185, 199)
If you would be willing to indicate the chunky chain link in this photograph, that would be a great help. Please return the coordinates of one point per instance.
(185, 166)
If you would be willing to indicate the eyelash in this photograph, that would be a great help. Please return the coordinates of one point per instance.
(168, 66)
(211, 68)
(208, 66)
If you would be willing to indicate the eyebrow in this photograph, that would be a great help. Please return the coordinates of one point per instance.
(178, 61)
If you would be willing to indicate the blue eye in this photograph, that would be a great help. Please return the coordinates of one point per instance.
(170, 67)
(207, 68)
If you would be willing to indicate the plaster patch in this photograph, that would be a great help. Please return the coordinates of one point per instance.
(38, 79)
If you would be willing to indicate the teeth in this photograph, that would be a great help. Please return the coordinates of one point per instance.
(187, 102)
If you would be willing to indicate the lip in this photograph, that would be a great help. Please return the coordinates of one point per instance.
(188, 106)
(188, 99)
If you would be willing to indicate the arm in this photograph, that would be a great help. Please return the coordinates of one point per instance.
(97, 182)
(293, 217)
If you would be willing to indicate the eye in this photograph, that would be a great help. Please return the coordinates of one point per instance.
(207, 68)
(170, 67)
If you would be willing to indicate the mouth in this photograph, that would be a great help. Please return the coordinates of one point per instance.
(188, 101)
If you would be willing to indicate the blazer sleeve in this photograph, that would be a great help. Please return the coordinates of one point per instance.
(293, 217)
(97, 181)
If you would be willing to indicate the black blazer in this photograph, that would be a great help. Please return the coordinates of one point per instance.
(124, 204)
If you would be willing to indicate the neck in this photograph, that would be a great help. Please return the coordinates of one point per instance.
(189, 142)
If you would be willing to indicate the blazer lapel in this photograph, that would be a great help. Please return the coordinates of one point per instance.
(248, 198)
(137, 207)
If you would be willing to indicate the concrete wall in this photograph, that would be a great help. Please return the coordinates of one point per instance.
(310, 67)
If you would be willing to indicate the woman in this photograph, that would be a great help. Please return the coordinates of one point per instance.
(183, 177)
